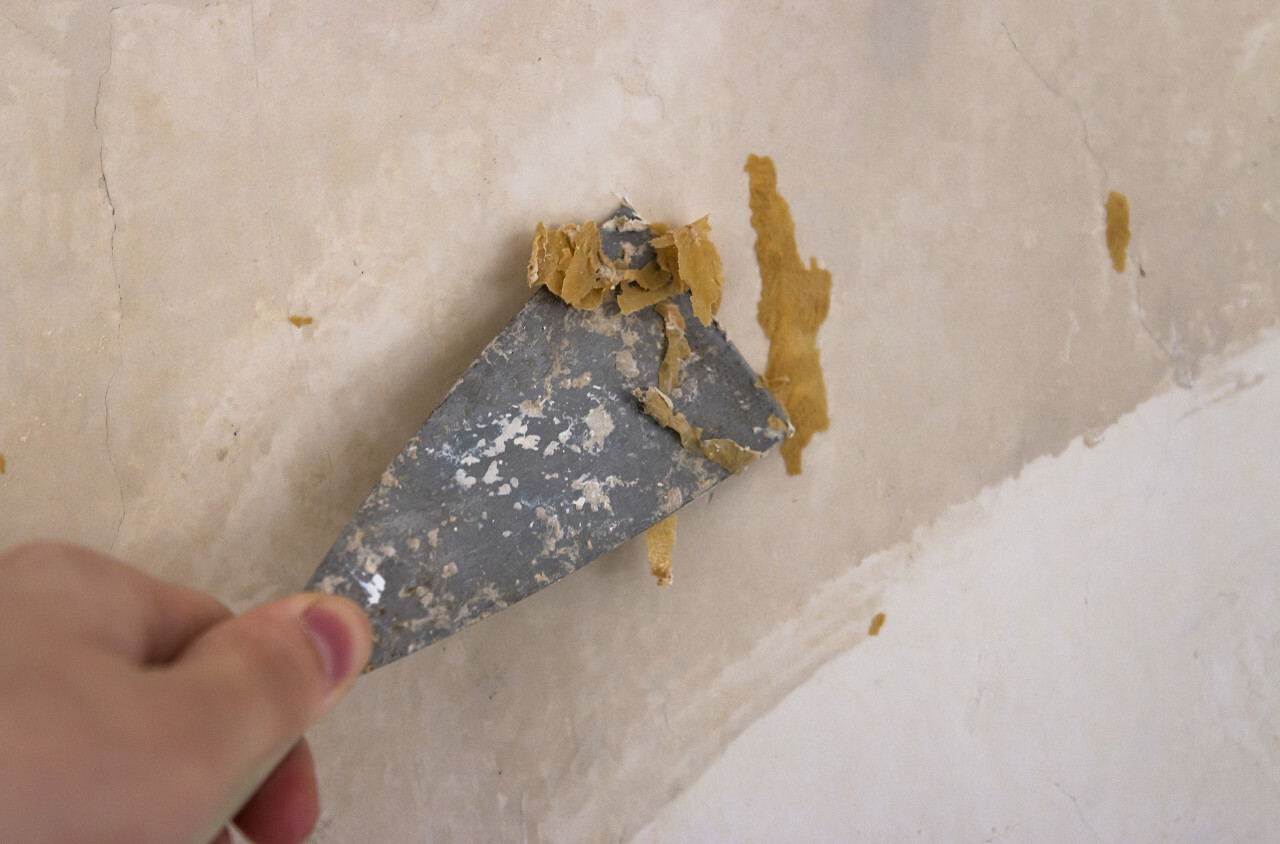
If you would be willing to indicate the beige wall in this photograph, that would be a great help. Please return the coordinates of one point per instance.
(179, 177)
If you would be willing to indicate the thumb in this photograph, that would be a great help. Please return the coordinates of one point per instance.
(252, 684)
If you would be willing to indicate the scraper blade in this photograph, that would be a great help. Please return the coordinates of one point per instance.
(539, 460)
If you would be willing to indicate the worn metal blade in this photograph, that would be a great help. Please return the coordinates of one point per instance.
(539, 460)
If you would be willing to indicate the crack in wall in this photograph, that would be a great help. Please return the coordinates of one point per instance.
(1079, 811)
(30, 36)
(1075, 105)
(1181, 368)
(1179, 361)
(638, 82)
(105, 184)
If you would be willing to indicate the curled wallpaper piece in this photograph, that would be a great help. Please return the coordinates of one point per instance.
(659, 540)
(794, 301)
(1117, 228)
(571, 263)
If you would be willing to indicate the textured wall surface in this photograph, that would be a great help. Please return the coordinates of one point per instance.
(1087, 652)
(178, 178)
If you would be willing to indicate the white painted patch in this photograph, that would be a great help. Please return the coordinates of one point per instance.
(593, 494)
(354, 540)
(491, 475)
(330, 583)
(554, 530)
(449, 570)
(624, 224)
(373, 587)
(672, 499)
(462, 479)
(510, 427)
(626, 364)
(599, 427)
(369, 559)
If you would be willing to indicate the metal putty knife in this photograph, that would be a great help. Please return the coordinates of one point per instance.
(539, 460)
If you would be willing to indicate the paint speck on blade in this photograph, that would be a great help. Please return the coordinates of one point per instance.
(599, 427)
(373, 587)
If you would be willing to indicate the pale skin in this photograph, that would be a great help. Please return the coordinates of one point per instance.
(134, 710)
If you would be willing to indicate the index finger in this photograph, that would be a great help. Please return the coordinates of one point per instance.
(75, 592)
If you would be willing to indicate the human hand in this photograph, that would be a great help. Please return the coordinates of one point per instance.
(133, 710)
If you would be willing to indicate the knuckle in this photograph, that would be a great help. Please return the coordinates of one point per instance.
(275, 674)
(41, 569)
(40, 553)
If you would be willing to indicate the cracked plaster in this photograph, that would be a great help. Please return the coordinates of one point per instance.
(115, 276)
(1181, 369)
